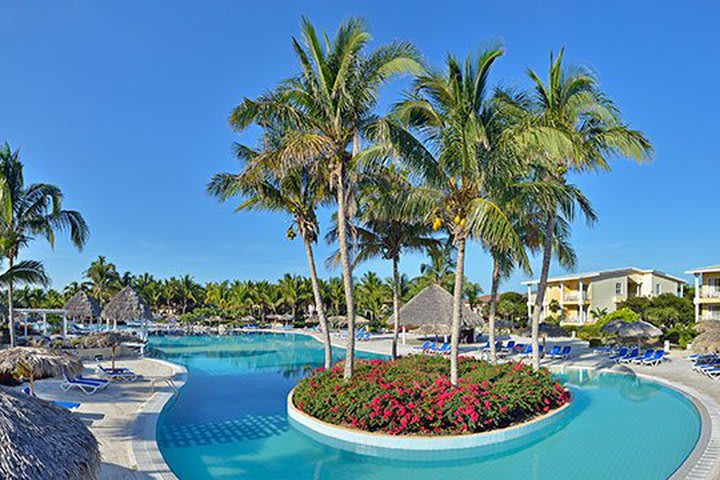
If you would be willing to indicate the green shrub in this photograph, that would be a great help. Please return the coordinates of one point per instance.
(413, 395)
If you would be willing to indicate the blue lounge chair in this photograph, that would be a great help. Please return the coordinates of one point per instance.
(421, 348)
(443, 349)
(508, 348)
(648, 354)
(554, 352)
(565, 354)
(526, 350)
(59, 403)
(621, 353)
(119, 374)
(655, 360)
(629, 357)
(88, 386)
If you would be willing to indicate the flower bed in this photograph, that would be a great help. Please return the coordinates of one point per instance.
(413, 396)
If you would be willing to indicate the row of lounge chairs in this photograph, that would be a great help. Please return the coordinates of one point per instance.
(650, 358)
(433, 348)
(706, 364)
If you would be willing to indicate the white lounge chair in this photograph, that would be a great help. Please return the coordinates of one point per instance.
(88, 386)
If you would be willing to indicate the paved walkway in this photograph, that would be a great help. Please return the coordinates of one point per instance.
(113, 414)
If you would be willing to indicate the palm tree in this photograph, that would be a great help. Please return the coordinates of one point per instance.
(27, 211)
(188, 292)
(390, 226)
(74, 287)
(588, 131)
(294, 293)
(372, 297)
(298, 193)
(440, 135)
(330, 107)
(104, 279)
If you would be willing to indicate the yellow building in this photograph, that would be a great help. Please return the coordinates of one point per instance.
(707, 292)
(573, 297)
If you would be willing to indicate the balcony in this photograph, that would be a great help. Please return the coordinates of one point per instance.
(574, 297)
(710, 316)
(709, 291)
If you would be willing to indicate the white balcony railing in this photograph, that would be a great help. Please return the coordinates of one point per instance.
(709, 291)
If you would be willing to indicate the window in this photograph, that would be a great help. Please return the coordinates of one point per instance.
(618, 288)
(658, 289)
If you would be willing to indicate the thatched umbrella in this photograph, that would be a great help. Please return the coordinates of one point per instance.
(341, 320)
(546, 330)
(637, 330)
(41, 441)
(111, 340)
(82, 306)
(126, 306)
(709, 339)
(431, 311)
(38, 362)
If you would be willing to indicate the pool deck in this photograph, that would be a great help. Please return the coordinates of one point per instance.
(123, 417)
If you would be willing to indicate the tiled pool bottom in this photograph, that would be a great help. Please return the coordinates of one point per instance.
(229, 422)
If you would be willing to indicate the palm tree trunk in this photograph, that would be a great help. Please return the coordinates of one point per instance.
(396, 305)
(493, 308)
(11, 316)
(457, 305)
(347, 273)
(319, 307)
(542, 286)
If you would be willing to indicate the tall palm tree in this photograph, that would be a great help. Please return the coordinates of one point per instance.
(440, 134)
(298, 192)
(590, 131)
(104, 279)
(27, 211)
(189, 292)
(389, 226)
(330, 106)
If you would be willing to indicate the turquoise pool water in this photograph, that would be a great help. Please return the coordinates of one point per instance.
(229, 422)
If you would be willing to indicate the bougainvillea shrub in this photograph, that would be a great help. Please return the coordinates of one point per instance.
(413, 396)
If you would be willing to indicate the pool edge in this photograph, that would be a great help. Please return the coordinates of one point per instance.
(145, 452)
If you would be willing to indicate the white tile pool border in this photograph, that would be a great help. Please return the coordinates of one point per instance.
(145, 453)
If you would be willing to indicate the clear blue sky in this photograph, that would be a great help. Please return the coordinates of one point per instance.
(125, 105)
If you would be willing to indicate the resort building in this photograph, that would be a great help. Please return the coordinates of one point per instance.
(707, 292)
(573, 297)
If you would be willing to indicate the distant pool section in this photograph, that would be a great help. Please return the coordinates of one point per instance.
(428, 448)
(230, 421)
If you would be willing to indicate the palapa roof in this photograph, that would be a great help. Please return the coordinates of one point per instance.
(431, 309)
(342, 320)
(82, 306)
(546, 330)
(709, 340)
(107, 339)
(638, 329)
(44, 362)
(41, 441)
(126, 306)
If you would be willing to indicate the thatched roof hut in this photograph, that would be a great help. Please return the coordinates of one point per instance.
(41, 441)
(110, 339)
(546, 330)
(126, 306)
(82, 306)
(431, 311)
(709, 339)
(638, 329)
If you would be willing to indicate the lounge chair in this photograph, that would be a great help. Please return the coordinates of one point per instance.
(648, 354)
(120, 374)
(621, 353)
(59, 403)
(88, 386)
(554, 352)
(565, 354)
(445, 349)
(560, 353)
(421, 348)
(508, 348)
(655, 360)
(629, 357)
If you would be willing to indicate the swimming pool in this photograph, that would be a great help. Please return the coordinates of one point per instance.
(229, 421)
